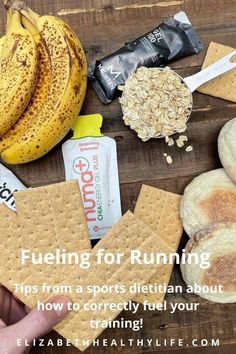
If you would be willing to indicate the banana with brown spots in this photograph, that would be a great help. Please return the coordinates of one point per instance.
(66, 93)
(40, 94)
(18, 71)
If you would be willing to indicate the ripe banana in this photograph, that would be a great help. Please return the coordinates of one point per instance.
(40, 94)
(66, 93)
(18, 71)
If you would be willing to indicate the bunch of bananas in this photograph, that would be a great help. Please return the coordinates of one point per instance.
(43, 78)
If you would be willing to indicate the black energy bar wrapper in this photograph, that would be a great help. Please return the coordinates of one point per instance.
(173, 39)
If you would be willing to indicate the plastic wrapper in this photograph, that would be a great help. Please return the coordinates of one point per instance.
(173, 39)
(91, 158)
(9, 184)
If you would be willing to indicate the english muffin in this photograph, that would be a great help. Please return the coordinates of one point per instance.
(215, 281)
(227, 148)
(208, 199)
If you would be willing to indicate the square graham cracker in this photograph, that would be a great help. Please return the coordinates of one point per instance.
(127, 234)
(47, 218)
(223, 86)
(53, 217)
(160, 210)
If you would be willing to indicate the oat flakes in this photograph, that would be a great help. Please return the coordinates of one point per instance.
(155, 103)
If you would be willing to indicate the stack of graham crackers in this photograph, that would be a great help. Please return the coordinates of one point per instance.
(52, 217)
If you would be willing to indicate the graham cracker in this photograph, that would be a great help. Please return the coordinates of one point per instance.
(54, 213)
(128, 234)
(47, 218)
(160, 210)
(223, 86)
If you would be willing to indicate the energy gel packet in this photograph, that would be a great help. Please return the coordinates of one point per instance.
(9, 184)
(91, 158)
(173, 39)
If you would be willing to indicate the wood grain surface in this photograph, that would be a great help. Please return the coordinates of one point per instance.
(103, 26)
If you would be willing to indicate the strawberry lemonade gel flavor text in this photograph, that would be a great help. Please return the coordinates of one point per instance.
(9, 184)
(91, 158)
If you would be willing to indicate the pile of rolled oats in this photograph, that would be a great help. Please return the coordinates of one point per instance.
(155, 103)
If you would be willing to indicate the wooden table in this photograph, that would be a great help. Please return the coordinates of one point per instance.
(103, 26)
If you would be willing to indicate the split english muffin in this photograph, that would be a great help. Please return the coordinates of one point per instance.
(219, 242)
(208, 199)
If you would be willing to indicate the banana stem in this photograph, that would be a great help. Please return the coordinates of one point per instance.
(15, 4)
(30, 26)
(20, 6)
(26, 12)
(7, 4)
(14, 20)
(9, 19)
